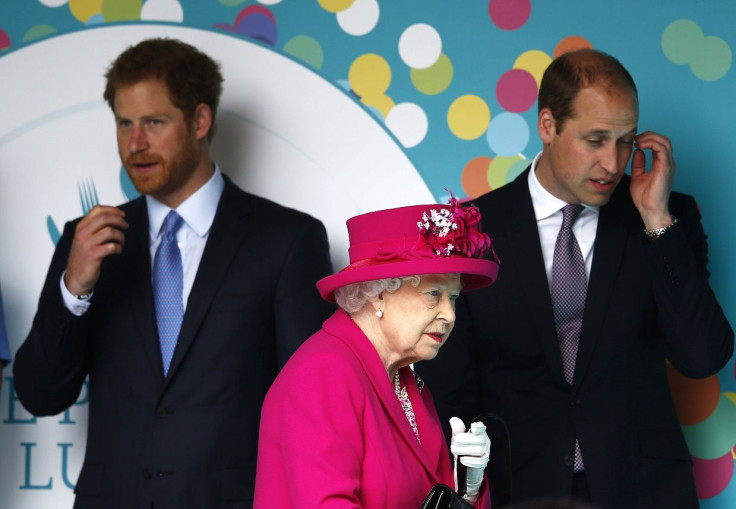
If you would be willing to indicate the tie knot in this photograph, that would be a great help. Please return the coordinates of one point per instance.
(570, 214)
(172, 223)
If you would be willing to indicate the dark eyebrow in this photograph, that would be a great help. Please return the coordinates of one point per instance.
(607, 134)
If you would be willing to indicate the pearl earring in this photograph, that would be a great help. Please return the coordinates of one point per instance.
(379, 313)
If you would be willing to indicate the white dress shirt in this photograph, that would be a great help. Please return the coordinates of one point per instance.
(548, 211)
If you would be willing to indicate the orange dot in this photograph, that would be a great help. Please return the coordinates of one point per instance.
(571, 43)
(694, 399)
(474, 178)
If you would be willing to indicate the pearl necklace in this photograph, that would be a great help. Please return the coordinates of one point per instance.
(406, 404)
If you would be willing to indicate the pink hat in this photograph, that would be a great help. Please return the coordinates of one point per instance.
(416, 240)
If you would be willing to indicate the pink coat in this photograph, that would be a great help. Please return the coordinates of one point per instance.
(333, 433)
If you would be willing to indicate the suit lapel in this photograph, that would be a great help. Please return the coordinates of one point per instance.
(226, 235)
(523, 252)
(140, 299)
(615, 224)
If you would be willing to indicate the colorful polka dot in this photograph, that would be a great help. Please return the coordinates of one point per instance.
(712, 476)
(508, 134)
(468, 117)
(474, 177)
(369, 74)
(716, 435)
(434, 79)
(420, 46)
(360, 18)
(709, 57)
(516, 90)
(499, 168)
(307, 49)
(85, 9)
(4, 40)
(408, 122)
(534, 62)
(509, 14)
(37, 32)
(695, 399)
(162, 10)
(53, 3)
(382, 103)
(335, 5)
(121, 10)
(571, 43)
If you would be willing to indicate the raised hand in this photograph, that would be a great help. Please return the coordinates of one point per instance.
(650, 190)
(99, 234)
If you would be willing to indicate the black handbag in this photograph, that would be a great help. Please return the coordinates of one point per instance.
(444, 497)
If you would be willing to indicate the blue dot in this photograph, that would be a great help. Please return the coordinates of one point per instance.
(508, 134)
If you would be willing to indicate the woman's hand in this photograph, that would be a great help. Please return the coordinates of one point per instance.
(472, 449)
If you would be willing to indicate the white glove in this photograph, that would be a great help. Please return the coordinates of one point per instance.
(473, 449)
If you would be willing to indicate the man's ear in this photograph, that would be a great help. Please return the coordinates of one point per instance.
(546, 125)
(202, 119)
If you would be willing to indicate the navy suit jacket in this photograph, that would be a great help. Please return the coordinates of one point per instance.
(647, 302)
(190, 439)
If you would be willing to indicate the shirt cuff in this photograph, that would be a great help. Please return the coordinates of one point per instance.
(75, 305)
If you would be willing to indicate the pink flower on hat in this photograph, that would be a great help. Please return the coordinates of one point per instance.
(453, 230)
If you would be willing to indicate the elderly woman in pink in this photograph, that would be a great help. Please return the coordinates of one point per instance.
(347, 423)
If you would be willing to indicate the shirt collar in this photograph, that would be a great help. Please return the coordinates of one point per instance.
(198, 211)
(545, 203)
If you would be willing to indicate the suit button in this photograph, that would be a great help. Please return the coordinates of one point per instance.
(147, 474)
(577, 402)
(568, 460)
(161, 412)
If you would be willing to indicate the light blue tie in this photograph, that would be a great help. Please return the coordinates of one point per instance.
(168, 279)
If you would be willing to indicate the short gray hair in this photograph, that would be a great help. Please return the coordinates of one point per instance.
(351, 298)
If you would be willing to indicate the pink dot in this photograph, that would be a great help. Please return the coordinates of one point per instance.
(509, 14)
(712, 476)
(4, 40)
(516, 90)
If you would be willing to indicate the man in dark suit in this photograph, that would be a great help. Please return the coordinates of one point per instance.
(598, 424)
(172, 425)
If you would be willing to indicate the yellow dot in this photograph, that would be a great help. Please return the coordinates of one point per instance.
(381, 102)
(335, 5)
(370, 74)
(534, 62)
(468, 117)
(85, 9)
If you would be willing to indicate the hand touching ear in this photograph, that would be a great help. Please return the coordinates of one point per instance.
(650, 189)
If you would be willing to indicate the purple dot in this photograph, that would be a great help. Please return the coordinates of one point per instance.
(258, 26)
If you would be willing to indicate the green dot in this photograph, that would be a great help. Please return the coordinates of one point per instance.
(435, 78)
(715, 436)
(306, 49)
(37, 32)
(121, 10)
(718, 60)
(680, 40)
